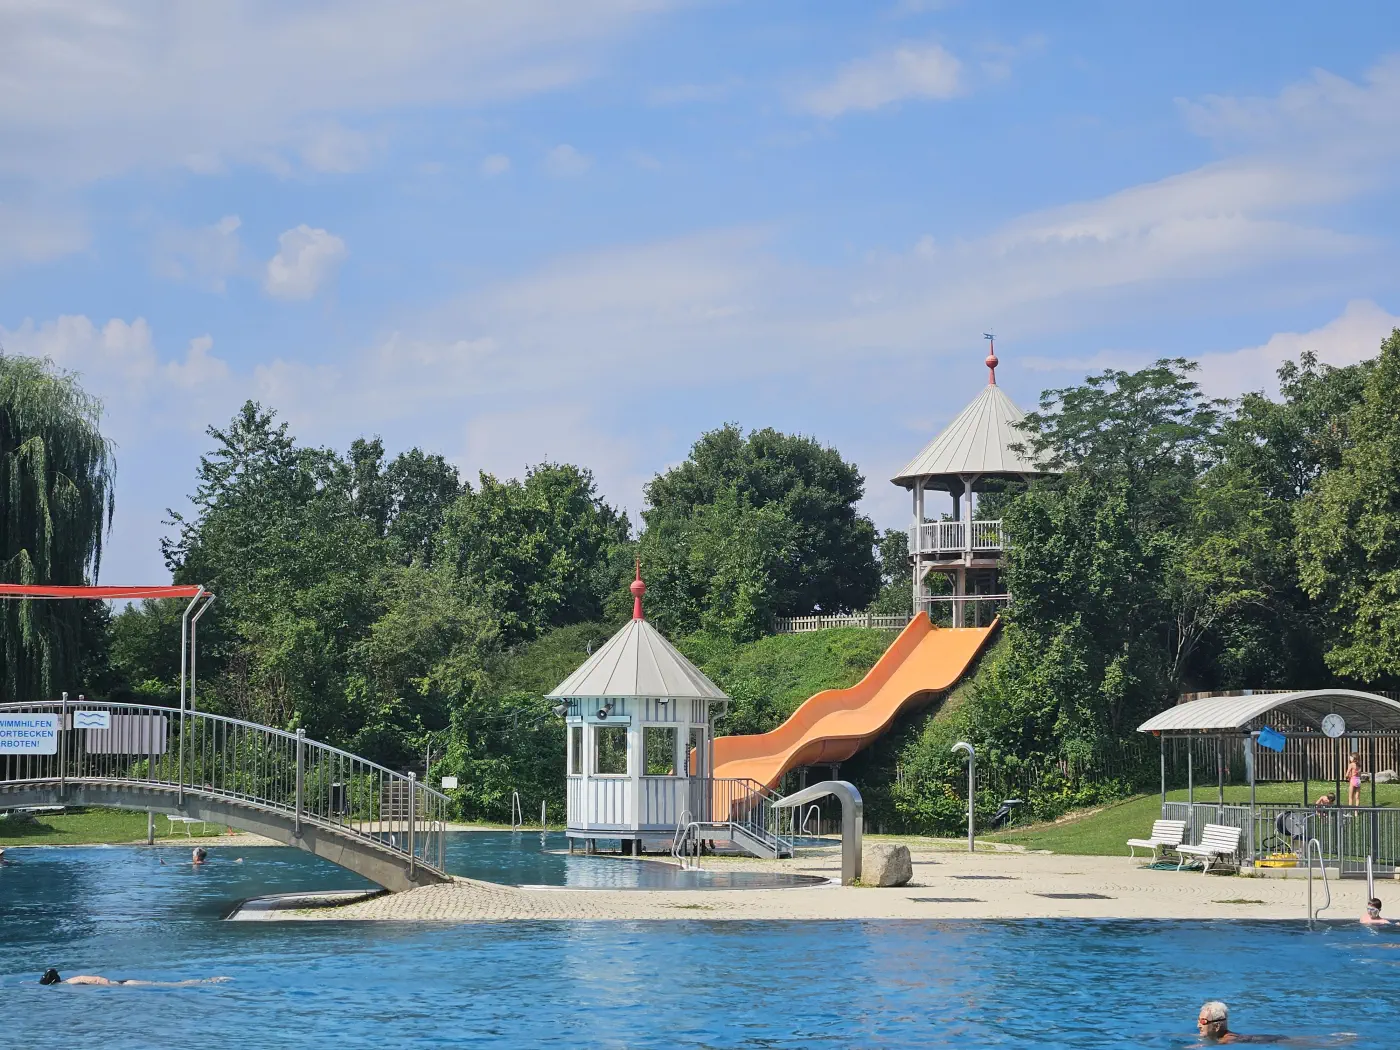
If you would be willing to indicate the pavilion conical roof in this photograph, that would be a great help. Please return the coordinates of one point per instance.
(638, 661)
(977, 441)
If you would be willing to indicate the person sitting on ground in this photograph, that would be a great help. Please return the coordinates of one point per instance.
(1372, 915)
(51, 977)
(200, 855)
(1213, 1024)
(1323, 801)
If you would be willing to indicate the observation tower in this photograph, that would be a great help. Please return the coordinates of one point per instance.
(970, 460)
(640, 724)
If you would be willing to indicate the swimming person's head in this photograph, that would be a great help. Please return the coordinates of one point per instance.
(1214, 1019)
(1373, 907)
(50, 976)
(200, 854)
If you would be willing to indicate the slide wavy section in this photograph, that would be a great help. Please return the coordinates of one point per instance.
(836, 723)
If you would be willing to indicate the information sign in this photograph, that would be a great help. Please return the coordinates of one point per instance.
(92, 719)
(26, 734)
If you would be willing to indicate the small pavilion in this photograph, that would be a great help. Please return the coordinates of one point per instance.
(1302, 737)
(971, 456)
(640, 726)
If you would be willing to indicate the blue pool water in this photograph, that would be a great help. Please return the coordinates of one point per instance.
(525, 858)
(1060, 983)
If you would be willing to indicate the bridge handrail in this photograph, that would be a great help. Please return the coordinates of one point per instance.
(231, 758)
(102, 705)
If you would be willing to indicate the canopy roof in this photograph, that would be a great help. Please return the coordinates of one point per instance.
(1237, 713)
(27, 590)
(977, 441)
(638, 661)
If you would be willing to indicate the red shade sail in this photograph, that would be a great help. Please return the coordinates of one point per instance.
(27, 590)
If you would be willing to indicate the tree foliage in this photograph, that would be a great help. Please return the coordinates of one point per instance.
(1349, 529)
(56, 477)
(754, 527)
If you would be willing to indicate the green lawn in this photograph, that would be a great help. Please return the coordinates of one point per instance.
(91, 826)
(1105, 832)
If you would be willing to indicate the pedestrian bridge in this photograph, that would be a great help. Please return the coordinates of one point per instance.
(381, 824)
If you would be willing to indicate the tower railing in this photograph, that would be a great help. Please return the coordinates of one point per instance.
(952, 537)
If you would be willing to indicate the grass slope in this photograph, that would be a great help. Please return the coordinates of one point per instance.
(768, 679)
(1104, 832)
(81, 826)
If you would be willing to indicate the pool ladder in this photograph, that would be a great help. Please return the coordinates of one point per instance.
(1314, 846)
(685, 843)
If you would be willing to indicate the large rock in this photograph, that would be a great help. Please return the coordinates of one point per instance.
(885, 864)
(1385, 776)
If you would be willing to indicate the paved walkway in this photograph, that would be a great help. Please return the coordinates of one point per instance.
(947, 885)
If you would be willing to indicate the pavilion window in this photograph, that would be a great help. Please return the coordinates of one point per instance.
(576, 750)
(659, 747)
(696, 750)
(610, 751)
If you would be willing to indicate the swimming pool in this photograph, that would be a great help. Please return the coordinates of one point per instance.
(524, 858)
(1062, 983)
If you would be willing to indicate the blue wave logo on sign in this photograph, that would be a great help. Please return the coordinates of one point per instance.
(92, 719)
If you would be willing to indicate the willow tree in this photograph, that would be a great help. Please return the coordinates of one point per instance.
(56, 474)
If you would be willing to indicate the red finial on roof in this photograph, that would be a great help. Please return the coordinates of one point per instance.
(638, 588)
(992, 360)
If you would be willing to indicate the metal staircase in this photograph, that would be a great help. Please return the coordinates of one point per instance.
(739, 811)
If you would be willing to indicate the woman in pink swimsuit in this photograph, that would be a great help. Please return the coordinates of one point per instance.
(1353, 779)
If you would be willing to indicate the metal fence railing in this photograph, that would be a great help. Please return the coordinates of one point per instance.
(213, 755)
(1347, 834)
(875, 621)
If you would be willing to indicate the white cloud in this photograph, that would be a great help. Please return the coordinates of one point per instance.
(305, 260)
(564, 161)
(98, 88)
(336, 149)
(36, 232)
(495, 164)
(206, 257)
(1355, 335)
(921, 71)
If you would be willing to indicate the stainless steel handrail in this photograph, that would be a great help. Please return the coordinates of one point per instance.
(517, 812)
(221, 757)
(1315, 846)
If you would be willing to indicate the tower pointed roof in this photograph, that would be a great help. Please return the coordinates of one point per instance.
(977, 441)
(638, 661)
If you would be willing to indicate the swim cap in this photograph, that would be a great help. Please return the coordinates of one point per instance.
(50, 976)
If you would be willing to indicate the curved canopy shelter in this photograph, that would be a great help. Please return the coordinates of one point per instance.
(1307, 707)
(972, 454)
(193, 591)
(1305, 736)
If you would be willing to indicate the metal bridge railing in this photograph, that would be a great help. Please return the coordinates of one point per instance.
(743, 803)
(213, 755)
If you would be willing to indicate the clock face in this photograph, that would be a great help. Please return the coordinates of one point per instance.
(1334, 725)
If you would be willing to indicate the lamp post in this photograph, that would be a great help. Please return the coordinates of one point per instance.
(971, 752)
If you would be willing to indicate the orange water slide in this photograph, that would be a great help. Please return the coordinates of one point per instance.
(836, 723)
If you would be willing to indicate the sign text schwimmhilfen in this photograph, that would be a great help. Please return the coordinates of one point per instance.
(29, 734)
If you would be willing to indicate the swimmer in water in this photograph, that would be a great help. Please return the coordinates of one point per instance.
(51, 977)
(200, 855)
(1213, 1024)
(1372, 915)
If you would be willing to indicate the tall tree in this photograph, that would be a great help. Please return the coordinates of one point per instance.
(1349, 531)
(751, 527)
(543, 552)
(56, 476)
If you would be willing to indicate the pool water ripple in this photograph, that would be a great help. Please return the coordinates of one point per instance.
(1051, 983)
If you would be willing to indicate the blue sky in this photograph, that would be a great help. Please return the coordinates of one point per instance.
(588, 230)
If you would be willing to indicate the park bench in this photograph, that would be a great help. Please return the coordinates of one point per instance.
(186, 821)
(1218, 842)
(1166, 835)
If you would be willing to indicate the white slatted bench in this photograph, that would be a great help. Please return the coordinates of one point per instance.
(186, 821)
(1166, 835)
(1218, 842)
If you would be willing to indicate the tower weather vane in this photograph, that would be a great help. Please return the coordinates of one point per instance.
(992, 359)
